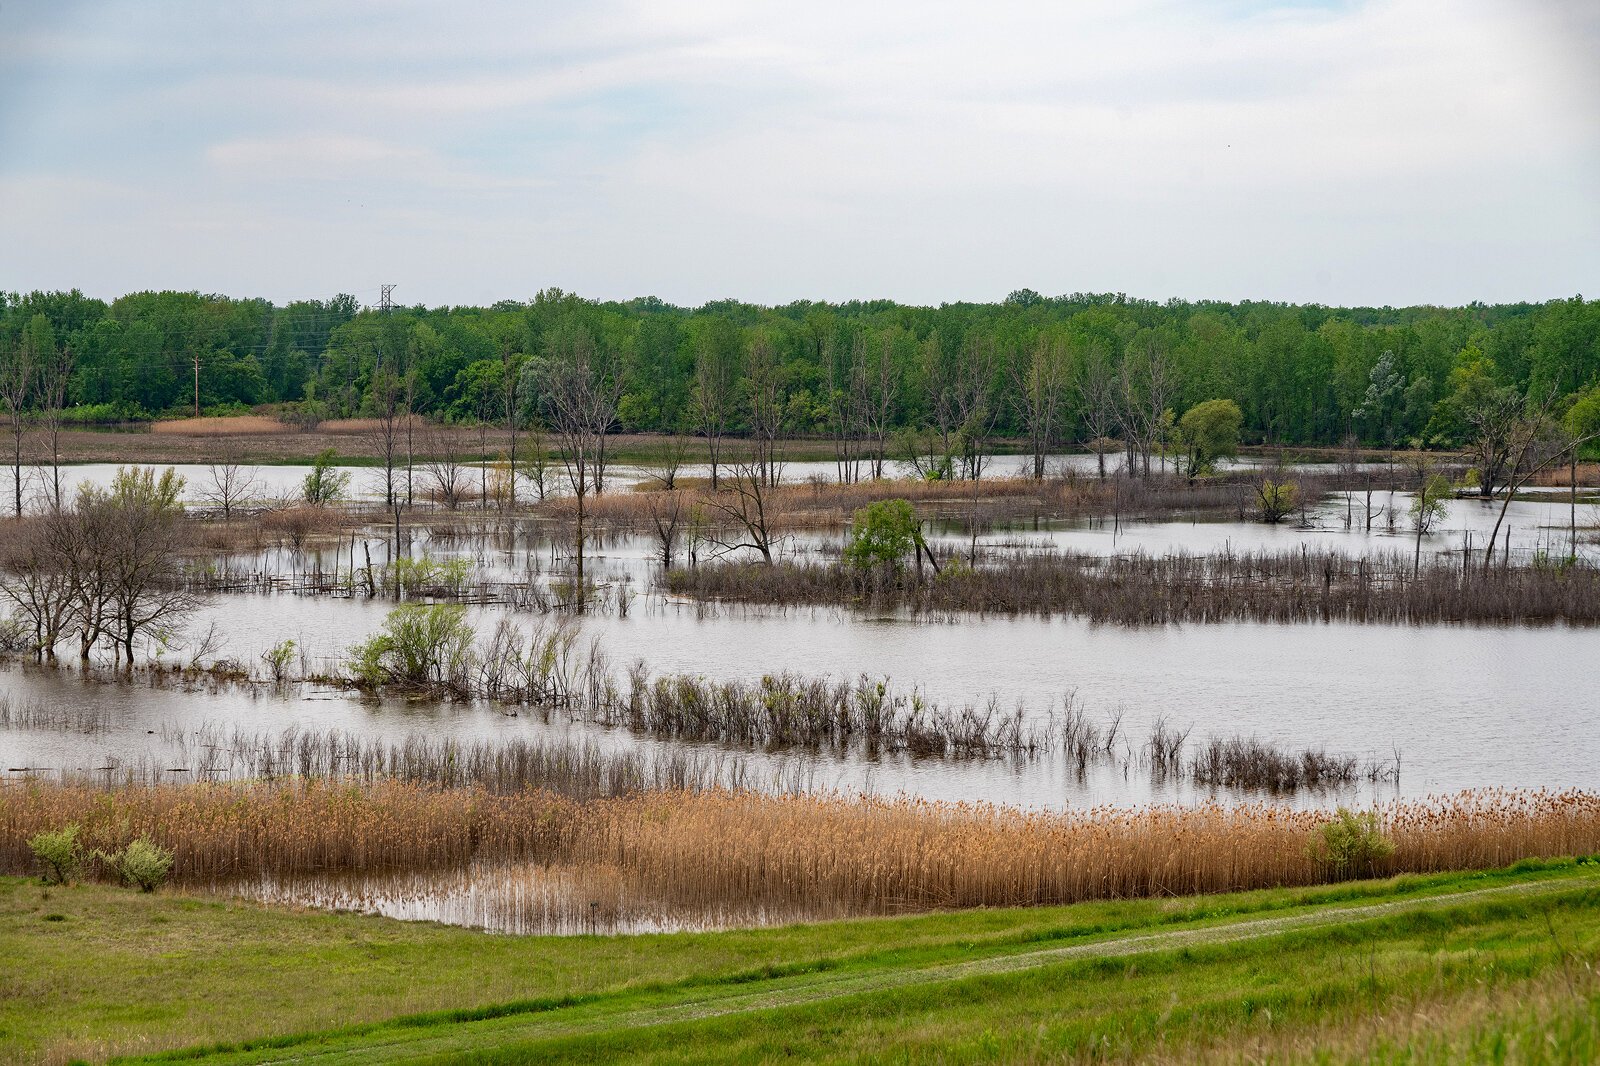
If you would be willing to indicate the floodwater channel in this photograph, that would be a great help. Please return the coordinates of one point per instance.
(1458, 706)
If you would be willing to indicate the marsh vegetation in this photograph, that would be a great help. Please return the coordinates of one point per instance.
(565, 604)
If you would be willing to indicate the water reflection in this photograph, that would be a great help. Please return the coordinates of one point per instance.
(523, 899)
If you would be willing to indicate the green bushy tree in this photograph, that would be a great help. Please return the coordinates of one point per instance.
(882, 534)
(59, 853)
(1209, 431)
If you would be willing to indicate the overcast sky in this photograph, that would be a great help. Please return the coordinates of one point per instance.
(1383, 152)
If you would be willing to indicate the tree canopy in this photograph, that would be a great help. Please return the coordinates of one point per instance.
(1298, 374)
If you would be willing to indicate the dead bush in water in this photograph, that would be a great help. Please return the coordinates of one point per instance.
(297, 526)
(1252, 764)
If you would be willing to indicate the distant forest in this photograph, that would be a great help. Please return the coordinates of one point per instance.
(1072, 368)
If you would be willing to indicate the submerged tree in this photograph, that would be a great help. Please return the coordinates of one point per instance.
(578, 386)
(882, 534)
(107, 567)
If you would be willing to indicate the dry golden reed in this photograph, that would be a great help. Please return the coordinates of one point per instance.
(231, 425)
(852, 855)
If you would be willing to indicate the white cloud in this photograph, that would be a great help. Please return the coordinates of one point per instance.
(1383, 151)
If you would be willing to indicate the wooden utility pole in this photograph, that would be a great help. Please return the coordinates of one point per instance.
(197, 384)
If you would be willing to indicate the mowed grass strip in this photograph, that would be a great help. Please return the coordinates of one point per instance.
(724, 1024)
(95, 971)
(1472, 984)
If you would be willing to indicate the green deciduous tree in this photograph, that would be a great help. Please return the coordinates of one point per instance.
(1209, 431)
(882, 534)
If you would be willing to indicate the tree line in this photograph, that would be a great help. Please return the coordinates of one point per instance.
(1103, 370)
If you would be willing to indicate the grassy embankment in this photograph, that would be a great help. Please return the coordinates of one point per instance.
(1441, 969)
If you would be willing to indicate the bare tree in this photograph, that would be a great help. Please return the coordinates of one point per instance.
(843, 400)
(666, 515)
(1039, 381)
(386, 398)
(1353, 470)
(229, 481)
(764, 395)
(532, 459)
(510, 379)
(93, 583)
(54, 373)
(1537, 442)
(605, 413)
(739, 513)
(712, 399)
(667, 460)
(108, 566)
(976, 410)
(443, 471)
(579, 389)
(879, 393)
(38, 577)
(1097, 395)
(1147, 390)
(940, 383)
(17, 370)
(410, 424)
(486, 410)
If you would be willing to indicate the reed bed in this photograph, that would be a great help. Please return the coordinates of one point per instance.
(219, 832)
(1141, 589)
(811, 853)
(788, 710)
(573, 768)
(31, 712)
(220, 426)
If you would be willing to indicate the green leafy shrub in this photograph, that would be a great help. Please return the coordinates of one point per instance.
(1430, 505)
(91, 414)
(1276, 500)
(410, 576)
(141, 864)
(324, 484)
(421, 646)
(59, 854)
(1352, 844)
(277, 659)
(882, 534)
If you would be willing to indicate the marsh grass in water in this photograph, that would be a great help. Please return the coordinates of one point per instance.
(1141, 589)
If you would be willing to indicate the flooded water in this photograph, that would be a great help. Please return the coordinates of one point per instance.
(1456, 706)
(1463, 706)
(523, 899)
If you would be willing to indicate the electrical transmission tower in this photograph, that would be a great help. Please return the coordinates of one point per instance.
(385, 305)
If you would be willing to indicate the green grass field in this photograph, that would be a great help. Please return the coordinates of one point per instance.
(1486, 967)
